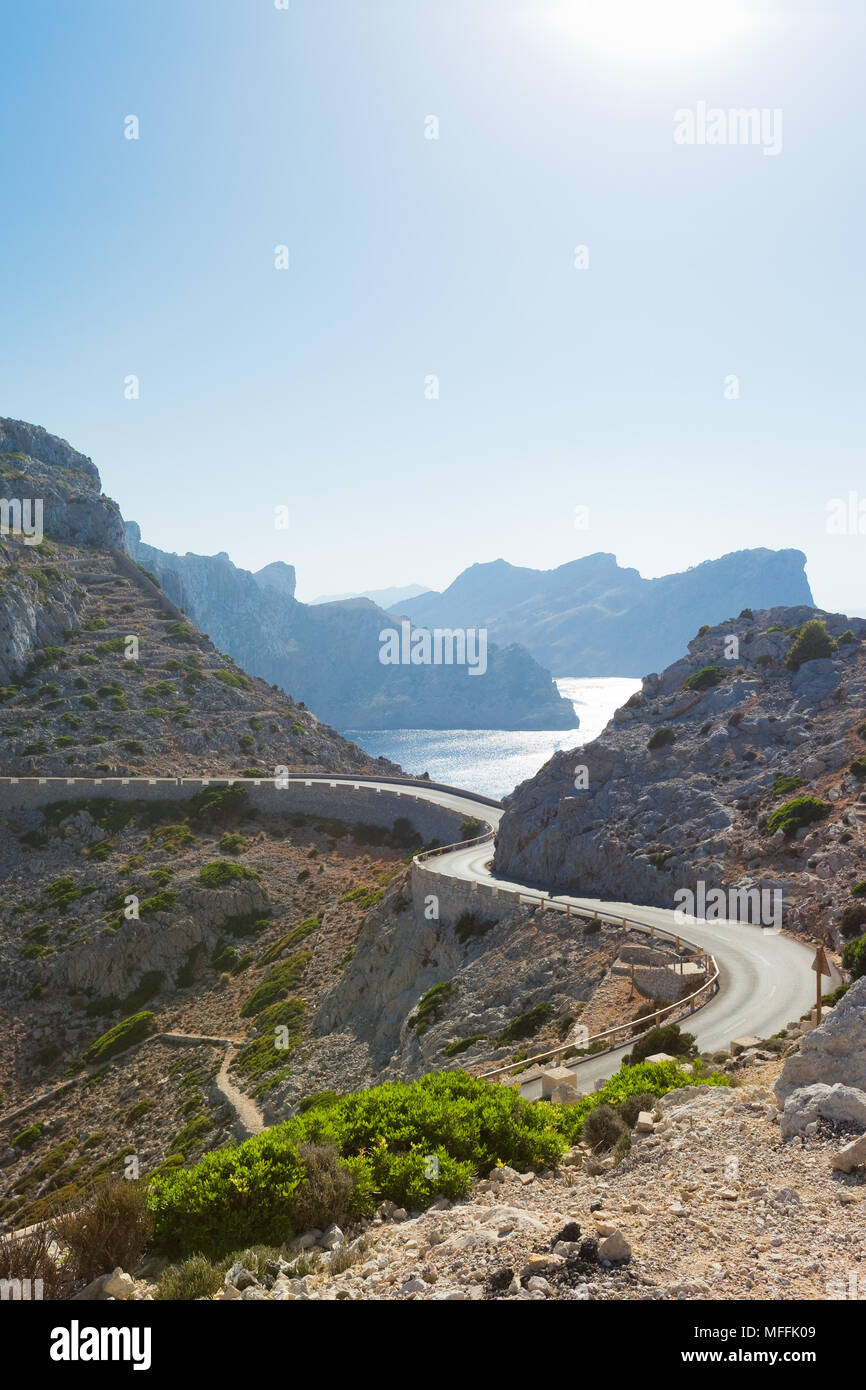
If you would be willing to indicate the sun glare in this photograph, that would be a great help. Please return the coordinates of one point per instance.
(649, 31)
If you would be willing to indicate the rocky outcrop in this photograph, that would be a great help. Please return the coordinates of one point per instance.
(837, 1104)
(677, 793)
(328, 654)
(36, 464)
(834, 1053)
(593, 617)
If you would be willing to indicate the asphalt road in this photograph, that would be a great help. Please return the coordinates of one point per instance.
(766, 980)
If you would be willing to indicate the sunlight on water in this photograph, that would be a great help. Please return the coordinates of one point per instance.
(494, 761)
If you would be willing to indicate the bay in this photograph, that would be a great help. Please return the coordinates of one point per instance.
(495, 761)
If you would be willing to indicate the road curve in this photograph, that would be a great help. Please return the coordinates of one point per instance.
(766, 980)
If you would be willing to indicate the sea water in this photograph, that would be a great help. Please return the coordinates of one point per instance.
(495, 761)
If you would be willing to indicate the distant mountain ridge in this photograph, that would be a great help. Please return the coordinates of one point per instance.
(593, 617)
(328, 655)
(385, 598)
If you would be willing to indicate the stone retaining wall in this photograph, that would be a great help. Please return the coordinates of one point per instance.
(340, 800)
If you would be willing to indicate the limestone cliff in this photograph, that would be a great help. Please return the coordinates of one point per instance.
(681, 786)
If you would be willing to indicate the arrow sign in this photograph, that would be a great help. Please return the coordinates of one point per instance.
(819, 964)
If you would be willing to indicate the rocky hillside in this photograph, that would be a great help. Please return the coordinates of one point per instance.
(99, 674)
(328, 653)
(593, 617)
(243, 923)
(742, 766)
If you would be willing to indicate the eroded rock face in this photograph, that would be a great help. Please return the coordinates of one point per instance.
(840, 1105)
(833, 1053)
(39, 471)
(679, 787)
(37, 464)
(328, 654)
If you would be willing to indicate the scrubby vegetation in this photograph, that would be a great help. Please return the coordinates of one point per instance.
(793, 815)
(811, 643)
(123, 1035)
(705, 678)
(662, 738)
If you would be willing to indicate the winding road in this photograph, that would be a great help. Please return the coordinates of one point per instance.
(766, 980)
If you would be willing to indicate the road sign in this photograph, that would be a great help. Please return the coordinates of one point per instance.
(819, 964)
(820, 967)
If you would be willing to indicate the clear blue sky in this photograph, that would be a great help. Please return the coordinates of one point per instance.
(408, 257)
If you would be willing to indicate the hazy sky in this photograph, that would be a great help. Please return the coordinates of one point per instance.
(454, 257)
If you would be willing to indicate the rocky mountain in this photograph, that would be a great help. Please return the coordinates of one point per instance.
(328, 654)
(741, 767)
(593, 617)
(383, 598)
(99, 672)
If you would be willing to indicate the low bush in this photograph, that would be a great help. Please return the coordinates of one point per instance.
(112, 1228)
(32, 1257)
(276, 984)
(430, 1007)
(705, 679)
(470, 925)
(662, 738)
(665, 1037)
(123, 1035)
(603, 1128)
(811, 643)
(222, 872)
(195, 1277)
(525, 1025)
(854, 957)
(791, 816)
(783, 784)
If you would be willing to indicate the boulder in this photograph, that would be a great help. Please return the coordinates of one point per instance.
(835, 1052)
(851, 1156)
(614, 1247)
(840, 1105)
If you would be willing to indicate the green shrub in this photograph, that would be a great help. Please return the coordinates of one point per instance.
(858, 767)
(233, 843)
(811, 643)
(291, 938)
(26, 1138)
(430, 1007)
(221, 872)
(603, 1128)
(470, 925)
(784, 783)
(262, 1056)
(123, 1035)
(195, 1277)
(470, 828)
(233, 678)
(525, 1025)
(662, 738)
(112, 1228)
(854, 957)
(218, 805)
(853, 919)
(276, 984)
(232, 1196)
(665, 1037)
(705, 679)
(453, 1049)
(793, 815)
(859, 889)
(645, 1079)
